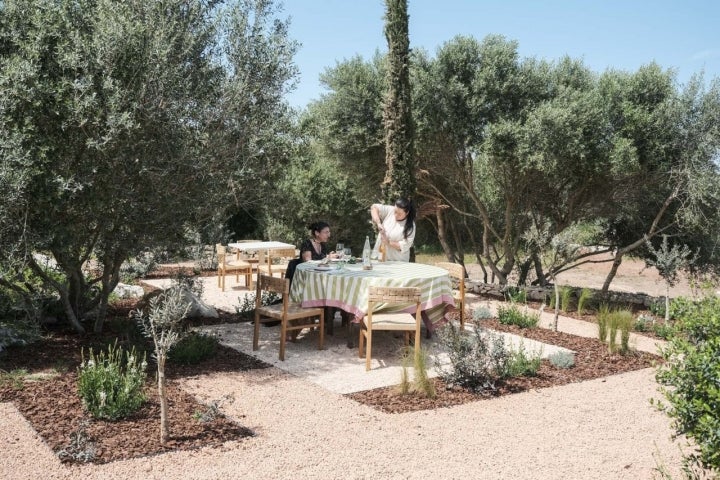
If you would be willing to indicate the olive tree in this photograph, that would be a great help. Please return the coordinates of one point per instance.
(115, 130)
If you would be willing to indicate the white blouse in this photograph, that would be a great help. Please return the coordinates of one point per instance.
(394, 232)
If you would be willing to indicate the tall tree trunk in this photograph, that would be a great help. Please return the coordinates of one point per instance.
(611, 274)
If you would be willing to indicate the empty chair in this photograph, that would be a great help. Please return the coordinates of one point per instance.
(277, 262)
(457, 273)
(395, 321)
(227, 265)
(249, 256)
(286, 312)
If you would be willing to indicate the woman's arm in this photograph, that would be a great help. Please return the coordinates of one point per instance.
(375, 216)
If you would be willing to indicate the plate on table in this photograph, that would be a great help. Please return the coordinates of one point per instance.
(323, 268)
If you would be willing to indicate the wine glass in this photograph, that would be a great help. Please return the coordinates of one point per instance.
(339, 248)
(347, 253)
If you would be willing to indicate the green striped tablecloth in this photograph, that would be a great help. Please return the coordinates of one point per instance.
(347, 288)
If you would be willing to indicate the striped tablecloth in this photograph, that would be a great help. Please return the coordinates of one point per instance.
(347, 288)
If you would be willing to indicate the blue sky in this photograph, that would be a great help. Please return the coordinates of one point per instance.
(623, 35)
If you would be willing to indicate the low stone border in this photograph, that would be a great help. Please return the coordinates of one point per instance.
(540, 293)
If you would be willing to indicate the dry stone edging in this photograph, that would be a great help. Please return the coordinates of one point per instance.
(538, 293)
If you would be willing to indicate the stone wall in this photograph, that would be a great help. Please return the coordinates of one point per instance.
(540, 293)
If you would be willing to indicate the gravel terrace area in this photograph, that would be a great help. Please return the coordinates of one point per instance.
(603, 428)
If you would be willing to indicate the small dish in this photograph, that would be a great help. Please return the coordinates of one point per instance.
(323, 268)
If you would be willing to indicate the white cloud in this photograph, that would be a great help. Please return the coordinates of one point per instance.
(705, 54)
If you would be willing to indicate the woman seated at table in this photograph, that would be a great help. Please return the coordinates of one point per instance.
(315, 248)
(396, 226)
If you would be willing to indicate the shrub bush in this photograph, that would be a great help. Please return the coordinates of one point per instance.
(663, 330)
(562, 359)
(689, 379)
(523, 363)
(516, 295)
(111, 385)
(482, 313)
(643, 324)
(477, 359)
(512, 315)
(193, 348)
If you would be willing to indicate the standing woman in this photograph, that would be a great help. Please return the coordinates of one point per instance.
(396, 226)
(315, 248)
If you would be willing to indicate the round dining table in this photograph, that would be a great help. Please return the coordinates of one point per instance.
(345, 286)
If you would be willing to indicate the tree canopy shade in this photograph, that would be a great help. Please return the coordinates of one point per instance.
(122, 122)
(506, 145)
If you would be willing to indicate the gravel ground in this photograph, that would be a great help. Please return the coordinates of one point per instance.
(604, 428)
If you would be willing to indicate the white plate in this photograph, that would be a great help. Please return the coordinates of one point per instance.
(323, 268)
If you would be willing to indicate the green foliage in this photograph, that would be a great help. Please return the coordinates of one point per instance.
(137, 267)
(482, 313)
(603, 320)
(624, 321)
(680, 307)
(657, 308)
(515, 295)
(644, 324)
(477, 360)
(111, 109)
(663, 330)
(111, 383)
(421, 382)
(523, 363)
(13, 378)
(213, 412)
(81, 448)
(18, 332)
(562, 359)
(689, 379)
(511, 315)
(669, 261)
(585, 297)
(247, 303)
(565, 298)
(193, 348)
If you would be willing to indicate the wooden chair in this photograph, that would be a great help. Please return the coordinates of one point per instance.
(278, 261)
(226, 265)
(250, 257)
(390, 321)
(457, 273)
(286, 312)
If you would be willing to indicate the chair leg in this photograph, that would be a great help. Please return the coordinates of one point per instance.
(361, 342)
(283, 337)
(256, 333)
(368, 350)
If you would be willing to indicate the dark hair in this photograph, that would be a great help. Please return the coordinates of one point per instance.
(409, 208)
(318, 226)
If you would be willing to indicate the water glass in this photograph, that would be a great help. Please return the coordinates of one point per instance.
(347, 253)
(339, 249)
